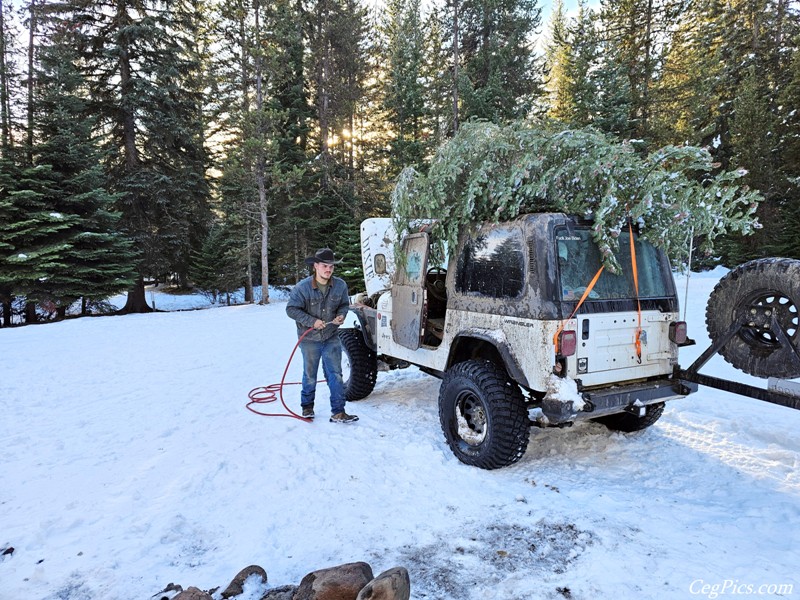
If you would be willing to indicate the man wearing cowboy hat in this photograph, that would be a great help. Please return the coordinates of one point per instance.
(320, 301)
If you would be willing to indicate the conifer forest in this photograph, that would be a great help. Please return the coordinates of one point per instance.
(217, 143)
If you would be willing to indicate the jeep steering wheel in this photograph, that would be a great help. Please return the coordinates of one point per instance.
(436, 288)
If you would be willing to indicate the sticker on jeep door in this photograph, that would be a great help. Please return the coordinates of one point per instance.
(413, 266)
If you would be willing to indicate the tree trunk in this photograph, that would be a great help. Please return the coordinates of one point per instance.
(244, 84)
(31, 79)
(296, 257)
(137, 301)
(7, 313)
(323, 82)
(648, 49)
(261, 167)
(455, 66)
(262, 199)
(5, 106)
(249, 295)
(30, 313)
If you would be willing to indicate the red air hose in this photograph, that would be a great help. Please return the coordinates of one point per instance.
(271, 393)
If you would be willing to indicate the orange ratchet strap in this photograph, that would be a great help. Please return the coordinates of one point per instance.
(638, 339)
(577, 306)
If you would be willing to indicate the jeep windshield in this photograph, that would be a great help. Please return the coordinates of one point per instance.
(579, 262)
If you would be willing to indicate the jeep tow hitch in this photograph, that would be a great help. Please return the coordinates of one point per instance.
(779, 391)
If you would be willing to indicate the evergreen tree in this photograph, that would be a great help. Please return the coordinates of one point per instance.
(10, 215)
(438, 78)
(144, 87)
(743, 61)
(636, 32)
(690, 67)
(232, 67)
(615, 101)
(558, 58)
(291, 121)
(582, 86)
(93, 261)
(10, 79)
(588, 85)
(500, 76)
(217, 266)
(788, 151)
(405, 87)
(176, 129)
(788, 148)
(331, 207)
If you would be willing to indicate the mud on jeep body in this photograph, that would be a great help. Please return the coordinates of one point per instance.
(496, 326)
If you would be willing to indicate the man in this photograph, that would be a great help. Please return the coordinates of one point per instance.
(321, 302)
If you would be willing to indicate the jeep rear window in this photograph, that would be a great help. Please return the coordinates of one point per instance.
(579, 261)
(493, 264)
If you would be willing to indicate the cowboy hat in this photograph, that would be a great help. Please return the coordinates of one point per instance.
(323, 255)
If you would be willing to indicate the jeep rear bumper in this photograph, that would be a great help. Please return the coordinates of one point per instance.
(617, 399)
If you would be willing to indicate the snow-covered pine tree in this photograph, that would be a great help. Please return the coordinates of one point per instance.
(491, 173)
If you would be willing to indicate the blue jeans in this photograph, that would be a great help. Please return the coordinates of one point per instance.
(330, 352)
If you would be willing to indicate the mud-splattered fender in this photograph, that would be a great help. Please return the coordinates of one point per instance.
(463, 346)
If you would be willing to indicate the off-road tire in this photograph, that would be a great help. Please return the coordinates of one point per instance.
(494, 407)
(767, 283)
(363, 365)
(628, 423)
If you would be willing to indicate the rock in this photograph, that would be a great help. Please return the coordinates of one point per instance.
(393, 584)
(171, 588)
(337, 583)
(235, 587)
(193, 593)
(285, 592)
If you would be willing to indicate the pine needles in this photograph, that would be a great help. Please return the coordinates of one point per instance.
(491, 173)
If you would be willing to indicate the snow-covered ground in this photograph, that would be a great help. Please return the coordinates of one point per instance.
(128, 461)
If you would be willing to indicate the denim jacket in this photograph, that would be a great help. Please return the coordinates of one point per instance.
(307, 304)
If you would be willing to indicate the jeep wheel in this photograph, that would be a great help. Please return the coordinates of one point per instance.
(359, 365)
(629, 423)
(483, 415)
(757, 291)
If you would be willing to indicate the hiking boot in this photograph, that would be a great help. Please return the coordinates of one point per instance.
(308, 412)
(343, 417)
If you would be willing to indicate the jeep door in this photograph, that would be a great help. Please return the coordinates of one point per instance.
(408, 292)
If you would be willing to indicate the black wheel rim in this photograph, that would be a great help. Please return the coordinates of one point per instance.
(758, 329)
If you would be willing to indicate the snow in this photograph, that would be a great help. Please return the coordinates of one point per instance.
(128, 461)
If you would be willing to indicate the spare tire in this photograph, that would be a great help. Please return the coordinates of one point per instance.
(757, 292)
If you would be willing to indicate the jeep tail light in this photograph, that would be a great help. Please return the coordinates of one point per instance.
(567, 343)
(677, 332)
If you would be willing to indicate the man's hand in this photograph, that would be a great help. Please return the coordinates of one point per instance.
(319, 324)
(338, 320)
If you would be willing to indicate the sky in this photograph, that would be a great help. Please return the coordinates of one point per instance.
(128, 461)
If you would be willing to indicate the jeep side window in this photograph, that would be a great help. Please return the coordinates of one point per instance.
(579, 260)
(492, 263)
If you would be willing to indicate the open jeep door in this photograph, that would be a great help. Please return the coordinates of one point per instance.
(408, 292)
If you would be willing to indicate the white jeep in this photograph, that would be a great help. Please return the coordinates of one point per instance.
(496, 326)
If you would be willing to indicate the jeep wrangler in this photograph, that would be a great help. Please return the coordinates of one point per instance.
(524, 327)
